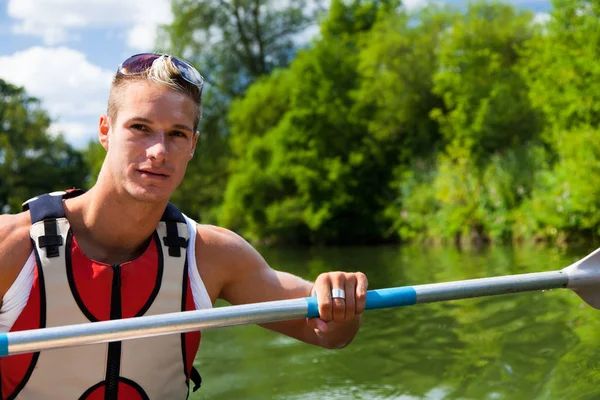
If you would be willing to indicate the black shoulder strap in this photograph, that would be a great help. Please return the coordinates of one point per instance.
(49, 205)
(173, 241)
(47, 208)
(172, 213)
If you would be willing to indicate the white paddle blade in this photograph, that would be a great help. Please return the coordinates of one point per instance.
(584, 278)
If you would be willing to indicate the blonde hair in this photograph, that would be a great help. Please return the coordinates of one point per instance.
(164, 72)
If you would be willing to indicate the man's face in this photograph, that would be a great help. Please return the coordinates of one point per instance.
(150, 141)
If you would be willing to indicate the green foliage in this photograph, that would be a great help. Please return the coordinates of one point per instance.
(442, 108)
(413, 211)
(31, 161)
(564, 204)
(562, 67)
(439, 125)
(563, 74)
(453, 200)
(94, 157)
(397, 63)
(316, 174)
(471, 185)
(233, 43)
(486, 101)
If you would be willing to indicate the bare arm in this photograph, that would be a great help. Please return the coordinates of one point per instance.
(15, 248)
(243, 277)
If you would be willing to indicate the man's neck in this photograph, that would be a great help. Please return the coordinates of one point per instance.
(110, 228)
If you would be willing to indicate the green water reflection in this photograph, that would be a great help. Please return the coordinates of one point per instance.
(539, 345)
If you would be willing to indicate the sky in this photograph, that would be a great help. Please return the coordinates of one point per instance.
(64, 52)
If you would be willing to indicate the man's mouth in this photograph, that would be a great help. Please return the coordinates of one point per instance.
(153, 174)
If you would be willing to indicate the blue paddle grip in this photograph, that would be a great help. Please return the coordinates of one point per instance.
(3, 345)
(379, 298)
(392, 297)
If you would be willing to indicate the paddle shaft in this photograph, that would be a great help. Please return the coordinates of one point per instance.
(134, 328)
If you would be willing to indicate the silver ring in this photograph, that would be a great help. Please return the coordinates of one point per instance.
(338, 294)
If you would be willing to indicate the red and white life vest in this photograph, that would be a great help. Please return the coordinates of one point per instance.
(69, 288)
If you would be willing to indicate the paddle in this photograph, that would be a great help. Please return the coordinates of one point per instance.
(583, 277)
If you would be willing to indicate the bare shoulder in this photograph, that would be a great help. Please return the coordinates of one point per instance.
(15, 247)
(233, 270)
(224, 258)
(225, 247)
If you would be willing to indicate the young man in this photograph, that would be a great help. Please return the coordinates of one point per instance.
(122, 250)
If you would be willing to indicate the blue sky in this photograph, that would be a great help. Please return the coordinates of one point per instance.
(65, 51)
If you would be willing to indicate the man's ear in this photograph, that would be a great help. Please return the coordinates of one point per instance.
(194, 141)
(103, 131)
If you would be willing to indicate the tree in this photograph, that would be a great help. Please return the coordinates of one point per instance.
(31, 161)
(487, 121)
(397, 63)
(486, 99)
(564, 79)
(233, 42)
(306, 168)
(562, 69)
(236, 41)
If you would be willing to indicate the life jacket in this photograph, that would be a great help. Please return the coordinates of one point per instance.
(70, 288)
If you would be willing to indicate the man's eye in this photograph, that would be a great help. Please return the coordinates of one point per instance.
(178, 133)
(139, 127)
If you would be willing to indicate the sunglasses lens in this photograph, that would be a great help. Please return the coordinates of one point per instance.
(137, 64)
(189, 73)
(142, 62)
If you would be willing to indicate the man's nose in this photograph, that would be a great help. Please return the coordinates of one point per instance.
(157, 149)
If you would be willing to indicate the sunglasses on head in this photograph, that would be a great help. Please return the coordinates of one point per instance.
(140, 63)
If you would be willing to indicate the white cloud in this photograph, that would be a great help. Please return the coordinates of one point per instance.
(59, 21)
(412, 5)
(76, 133)
(142, 36)
(72, 90)
(541, 18)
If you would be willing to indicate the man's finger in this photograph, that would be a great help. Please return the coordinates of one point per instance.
(339, 303)
(350, 288)
(361, 292)
(317, 324)
(323, 291)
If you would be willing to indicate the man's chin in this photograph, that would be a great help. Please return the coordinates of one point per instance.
(150, 194)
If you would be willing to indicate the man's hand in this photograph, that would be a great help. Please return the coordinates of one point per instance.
(233, 270)
(341, 297)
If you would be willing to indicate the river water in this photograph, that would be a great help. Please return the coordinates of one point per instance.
(537, 345)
